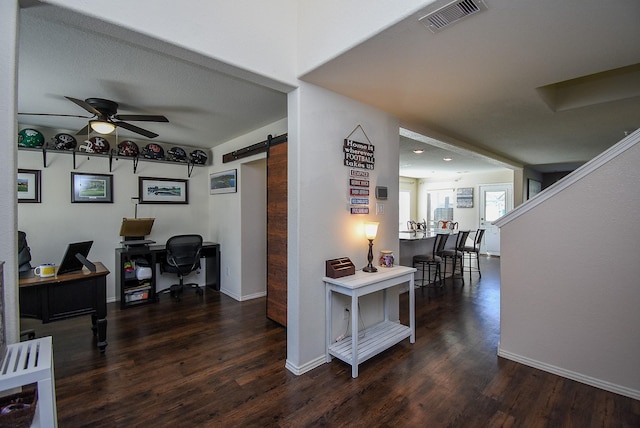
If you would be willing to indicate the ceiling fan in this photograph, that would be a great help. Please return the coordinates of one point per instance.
(105, 117)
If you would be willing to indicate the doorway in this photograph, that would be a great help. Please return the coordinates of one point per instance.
(495, 201)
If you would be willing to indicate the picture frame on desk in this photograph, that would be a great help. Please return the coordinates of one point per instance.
(163, 190)
(29, 185)
(91, 188)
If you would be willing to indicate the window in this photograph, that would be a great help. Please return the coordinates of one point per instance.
(405, 209)
(440, 205)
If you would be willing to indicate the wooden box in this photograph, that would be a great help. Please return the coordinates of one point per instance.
(337, 268)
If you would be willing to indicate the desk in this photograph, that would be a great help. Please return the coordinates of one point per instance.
(380, 336)
(69, 295)
(155, 254)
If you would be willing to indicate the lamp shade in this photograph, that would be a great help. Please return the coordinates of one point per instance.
(371, 229)
(102, 127)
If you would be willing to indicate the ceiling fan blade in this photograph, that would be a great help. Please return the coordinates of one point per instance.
(53, 114)
(83, 131)
(85, 105)
(136, 129)
(141, 117)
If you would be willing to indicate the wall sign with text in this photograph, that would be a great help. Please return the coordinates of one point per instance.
(359, 157)
(359, 191)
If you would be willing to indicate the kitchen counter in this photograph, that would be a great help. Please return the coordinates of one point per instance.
(417, 235)
(412, 244)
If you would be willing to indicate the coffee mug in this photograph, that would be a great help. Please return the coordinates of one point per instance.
(45, 270)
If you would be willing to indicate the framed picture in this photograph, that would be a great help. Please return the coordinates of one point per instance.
(533, 187)
(163, 190)
(464, 197)
(91, 188)
(223, 182)
(29, 185)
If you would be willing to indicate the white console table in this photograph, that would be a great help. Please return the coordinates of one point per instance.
(379, 337)
(32, 362)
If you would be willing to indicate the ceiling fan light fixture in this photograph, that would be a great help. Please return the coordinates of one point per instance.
(102, 127)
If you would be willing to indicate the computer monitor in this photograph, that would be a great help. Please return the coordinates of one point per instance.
(71, 263)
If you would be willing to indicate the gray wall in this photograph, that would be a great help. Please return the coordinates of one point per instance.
(570, 275)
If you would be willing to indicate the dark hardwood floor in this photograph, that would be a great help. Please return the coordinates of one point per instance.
(219, 362)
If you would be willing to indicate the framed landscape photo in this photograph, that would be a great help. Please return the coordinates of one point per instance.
(91, 188)
(223, 182)
(163, 190)
(29, 185)
(464, 197)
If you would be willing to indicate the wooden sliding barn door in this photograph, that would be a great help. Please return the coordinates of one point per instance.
(277, 233)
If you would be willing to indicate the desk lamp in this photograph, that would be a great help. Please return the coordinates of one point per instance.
(370, 232)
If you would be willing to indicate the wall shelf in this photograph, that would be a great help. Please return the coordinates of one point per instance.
(112, 155)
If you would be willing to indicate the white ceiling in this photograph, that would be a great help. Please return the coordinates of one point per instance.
(476, 81)
(473, 84)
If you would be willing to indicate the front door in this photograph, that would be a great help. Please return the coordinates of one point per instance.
(495, 201)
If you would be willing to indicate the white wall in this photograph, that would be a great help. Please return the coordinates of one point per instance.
(55, 222)
(320, 224)
(253, 229)
(570, 275)
(227, 210)
(8, 132)
(467, 218)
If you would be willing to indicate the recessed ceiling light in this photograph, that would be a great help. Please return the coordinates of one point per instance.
(418, 151)
(447, 159)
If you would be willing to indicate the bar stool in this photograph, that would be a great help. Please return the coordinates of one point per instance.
(432, 259)
(475, 249)
(456, 253)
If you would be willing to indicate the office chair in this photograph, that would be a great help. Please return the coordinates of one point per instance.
(183, 257)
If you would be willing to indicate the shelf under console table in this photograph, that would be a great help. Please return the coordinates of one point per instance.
(354, 350)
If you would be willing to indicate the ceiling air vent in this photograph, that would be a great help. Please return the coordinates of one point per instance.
(453, 12)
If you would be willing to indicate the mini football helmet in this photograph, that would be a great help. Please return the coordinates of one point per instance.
(64, 141)
(128, 148)
(153, 151)
(95, 145)
(177, 154)
(30, 138)
(198, 157)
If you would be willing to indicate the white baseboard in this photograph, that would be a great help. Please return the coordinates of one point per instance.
(240, 298)
(253, 296)
(598, 383)
(317, 362)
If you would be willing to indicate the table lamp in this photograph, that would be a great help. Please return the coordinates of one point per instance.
(370, 231)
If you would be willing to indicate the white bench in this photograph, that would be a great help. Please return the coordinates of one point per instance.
(32, 362)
